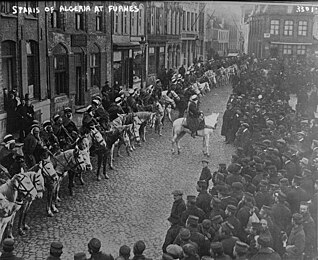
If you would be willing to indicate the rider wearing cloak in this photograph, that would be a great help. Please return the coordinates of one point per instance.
(193, 115)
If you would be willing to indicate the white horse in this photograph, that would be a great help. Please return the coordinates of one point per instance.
(179, 130)
(203, 87)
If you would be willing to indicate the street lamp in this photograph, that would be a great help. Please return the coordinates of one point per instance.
(142, 43)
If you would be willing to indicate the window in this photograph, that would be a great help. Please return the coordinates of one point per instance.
(34, 6)
(287, 49)
(275, 27)
(302, 28)
(116, 22)
(195, 21)
(184, 20)
(57, 19)
(33, 67)
(6, 7)
(192, 21)
(188, 21)
(8, 52)
(79, 21)
(288, 28)
(125, 25)
(133, 24)
(140, 22)
(99, 22)
(60, 66)
(301, 49)
(95, 69)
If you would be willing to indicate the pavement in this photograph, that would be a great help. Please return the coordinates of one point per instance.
(134, 203)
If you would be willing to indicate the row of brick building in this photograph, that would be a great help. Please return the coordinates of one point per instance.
(62, 52)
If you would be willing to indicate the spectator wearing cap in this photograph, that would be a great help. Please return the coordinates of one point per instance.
(178, 205)
(94, 246)
(193, 115)
(260, 174)
(69, 124)
(263, 197)
(192, 209)
(80, 256)
(189, 252)
(230, 217)
(204, 198)
(205, 228)
(227, 239)
(124, 253)
(202, 241)
(115, 109)
(48, 137)
(296, 241)
(264, 250)
(183, 238)
(296, 194)
(292, 167)
(264, 231)
(173, 252)
(245, 210)
(247, 184)
(237, 190)
(309, 229)
(32, 145)
(215, 208)
(234, 174)
(307, 182)
(240, 250)
(243, 137)
(217, 251)
(205, 172)
(56, 250)
(281, 214)
(100, 114)
(182, 70)
(172, 232)
(218, 180)
(8, 248)
(284, 185)
(138, 250)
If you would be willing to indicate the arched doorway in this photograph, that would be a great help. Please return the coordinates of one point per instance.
(60, 66)
(80, 75)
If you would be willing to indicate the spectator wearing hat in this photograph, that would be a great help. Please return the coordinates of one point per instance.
(243, 137)
(227, 239)
(178, 205)
(260, 174)
(234, 174)
(32, 145)
(182, 70)
(240, 250)
(292, 167)
(94, 246)
(56, 250)
(80, 256)
(230, 217)
(69, 124)
(281, 214)
(172, 232)
(138, 250)
(193, 115)
(247, 184)
(204, 198)
(192, 209)
(309, 229)
(264, 250)
(124, 253)
(184, 238)
(11, 107)
(296, 241)
(48, 137)
(245, 210)
(296, 194)
(173, 252)
(8, 248)
(100, 114)
(205, 172)
(217, 251)
(115, 109)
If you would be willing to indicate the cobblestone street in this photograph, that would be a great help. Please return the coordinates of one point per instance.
(134, 203)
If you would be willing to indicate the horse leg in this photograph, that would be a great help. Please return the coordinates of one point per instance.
(104, 166)
(25, 211)
(71, 175)
(53, 189)
(80, 177)
(169, 114)
(111, 157)
(10, 226)
(22, 213)
(99, 164)
(177, 141)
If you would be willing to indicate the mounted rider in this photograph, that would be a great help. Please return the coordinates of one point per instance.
(69, 124)
(100, 114)
(115, 109)
(61, 133)
(88, 119)
(48, 137)
(131, 101)
(193, 115)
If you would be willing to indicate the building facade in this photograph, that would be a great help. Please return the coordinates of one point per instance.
(220, 37)
(280, 31)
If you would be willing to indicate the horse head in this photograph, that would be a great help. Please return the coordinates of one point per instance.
(75, 161)
(6, 207)
(37, 178)
(97, 137)
(84, 151)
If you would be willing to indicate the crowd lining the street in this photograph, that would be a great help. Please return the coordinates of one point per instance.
(261, 206)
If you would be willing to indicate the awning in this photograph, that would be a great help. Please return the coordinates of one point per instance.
(126, 46)
(293, 43)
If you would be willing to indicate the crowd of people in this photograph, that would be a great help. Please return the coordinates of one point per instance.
(263, 205)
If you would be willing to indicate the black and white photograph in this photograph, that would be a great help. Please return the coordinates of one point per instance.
(158, 130)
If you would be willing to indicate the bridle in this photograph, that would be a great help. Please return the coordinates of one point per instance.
(45, 173)
(94, 134)
(70, 165)
(21, 188)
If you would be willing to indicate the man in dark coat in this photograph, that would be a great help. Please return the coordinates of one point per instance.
(172, 232)
(115, 109)
(7, 153)
(193, 115)
(48, 137)
(182, 70)
(69, 124)
(204, 198)
(227, 122)
(58, 129)
(192, 209)
(206, 172)
(11, 107)
(230, 218)
(178, 206)
(25, 115)
(281, 214)
(131, 101)
(265, 252)
(227, 239)
(32, 146)
(234, 174)
(100, 114)
(296, 240)
(94, 246)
